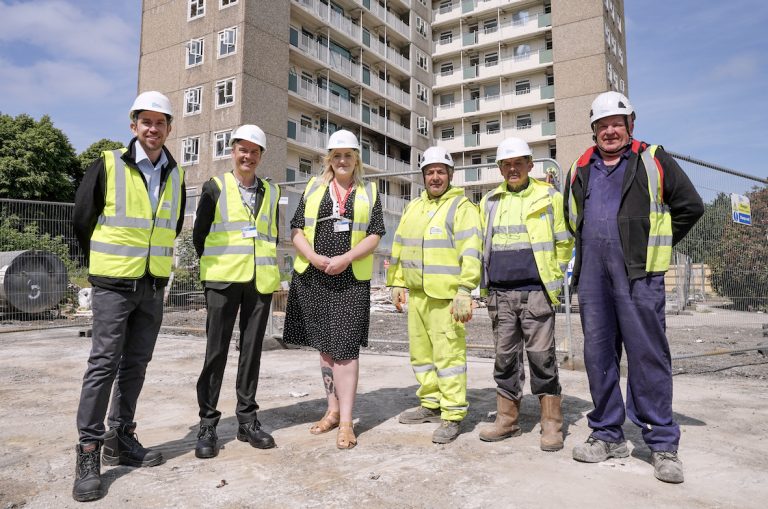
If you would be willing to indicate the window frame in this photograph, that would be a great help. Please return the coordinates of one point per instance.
(230, 3)
(221, 35)
(220, 83)
(199, 9)
(199, 90)
(224, 137)
(184, 143)
(188, 53)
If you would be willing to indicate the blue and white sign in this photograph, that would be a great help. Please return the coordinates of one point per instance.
(740, 209)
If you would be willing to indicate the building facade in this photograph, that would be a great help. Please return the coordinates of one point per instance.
(401, 74)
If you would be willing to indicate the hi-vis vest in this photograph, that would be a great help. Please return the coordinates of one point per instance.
(129, 238)
(659, 251)
(230, 257)
(542, 229)
(439, 252)
(365, 198)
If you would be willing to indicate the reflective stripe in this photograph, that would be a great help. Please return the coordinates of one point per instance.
(410, 242)
(227, 250)
(398, 239)
(175, 197)
(451, 217)
(423, 368)
(309, 221)
(564, 235)
(438, 243)
(442, 269)
(165, 223)
(516, 246)
(394, 260)
(453, 371)
(160, 251)
(466, 234)
(542, 246)
(273, 200)
(229, 227)
(653, 177)
(114, 249)
(120, 191)
(359, 227)
(125, 222)
(510, 229)
(265, 260)
(223, 200)
(660, 240)
(459, 408)
(471, 252)
(431, 399)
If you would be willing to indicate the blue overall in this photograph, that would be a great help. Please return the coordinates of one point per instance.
(616, 311)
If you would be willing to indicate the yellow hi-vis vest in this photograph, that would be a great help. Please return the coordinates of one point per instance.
(437, 246)
(541, 228)
(129, 238)
(365, 198)
(659, 250)
(228, 256)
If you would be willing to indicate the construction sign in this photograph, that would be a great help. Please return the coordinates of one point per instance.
(740, 209)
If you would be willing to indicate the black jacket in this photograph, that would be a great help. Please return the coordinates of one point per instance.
(685, 205)
(89, 204)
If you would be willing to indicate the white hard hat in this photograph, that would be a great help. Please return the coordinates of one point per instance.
(608, 104)
(343, 139)
(512, 147)
(151, 101)
(249, 132)
(436, 155)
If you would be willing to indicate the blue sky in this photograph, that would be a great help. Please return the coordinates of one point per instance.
(697, 72)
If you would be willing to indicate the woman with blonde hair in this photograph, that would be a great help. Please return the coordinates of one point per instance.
(335, 230)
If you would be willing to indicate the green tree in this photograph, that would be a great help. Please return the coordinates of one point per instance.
(94, 152)
(37, 162)
(701, 242)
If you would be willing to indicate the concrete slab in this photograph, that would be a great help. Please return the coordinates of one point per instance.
(724, 446)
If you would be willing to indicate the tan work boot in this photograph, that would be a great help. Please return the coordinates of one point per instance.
(551, 423)
(505, 426)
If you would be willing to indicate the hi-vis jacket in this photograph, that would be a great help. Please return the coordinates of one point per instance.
(650, 223)
(229, 255)
(540, 227)
(130, 239)
(365, 199)
(437, 245)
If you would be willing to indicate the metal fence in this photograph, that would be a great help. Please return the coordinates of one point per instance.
(718, 280)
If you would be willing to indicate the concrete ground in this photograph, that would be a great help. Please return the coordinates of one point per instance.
(724, 444)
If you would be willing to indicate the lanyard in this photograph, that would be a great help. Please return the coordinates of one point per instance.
(341, 201)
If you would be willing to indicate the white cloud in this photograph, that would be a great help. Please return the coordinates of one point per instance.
(62, 28)
(737, 66)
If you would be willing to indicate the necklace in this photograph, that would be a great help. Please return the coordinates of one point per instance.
(342, 201)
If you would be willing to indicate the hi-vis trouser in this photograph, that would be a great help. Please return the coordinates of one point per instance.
(438, 355)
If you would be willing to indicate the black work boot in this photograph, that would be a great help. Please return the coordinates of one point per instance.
(251, 432)
(123, 448)
(87, 473)
(207, 442)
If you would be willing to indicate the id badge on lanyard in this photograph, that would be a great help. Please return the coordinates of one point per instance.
(342, 225)
(249, 232)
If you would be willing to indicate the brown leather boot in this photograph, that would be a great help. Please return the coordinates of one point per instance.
(505, 426)
(551, 423)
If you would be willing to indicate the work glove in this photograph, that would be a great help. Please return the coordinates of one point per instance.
(461, 307)
(399, 297)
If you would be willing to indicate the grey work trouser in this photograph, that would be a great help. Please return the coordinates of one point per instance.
(523, 319)
(125, 327)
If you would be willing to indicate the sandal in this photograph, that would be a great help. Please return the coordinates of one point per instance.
(329, 421)
(345, 439)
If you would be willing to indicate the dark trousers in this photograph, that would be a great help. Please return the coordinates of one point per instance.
(523, 321)
(615, 312)
(223, 305)
(125, 327)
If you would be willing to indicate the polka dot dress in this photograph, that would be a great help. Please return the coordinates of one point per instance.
(330, 313)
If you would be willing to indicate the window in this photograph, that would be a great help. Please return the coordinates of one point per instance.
(522, 87)
(190, 206)
(447, 133)
(522, 51)
(621, 86)
(446, 68)
(472, 175)
(422, 126)
(520, 18)
(477, 195)
(196, 9)
(524, 121)
(446, 37)
(421, 93)
(492, 127)
(553, 151)
(621, 56)
(305, 167)
(226, 3)
(194, 52)
(490, 26)
(446, 100)
(192, 101)
(421, 27)
(445, 6)
(492, 91)
(225, 92)
(227, 41)
(221, 148)
(422, 60)
(190, 150)
(491, 59)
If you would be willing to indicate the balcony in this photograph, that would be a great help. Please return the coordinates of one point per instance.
(516, 64)
(316, 95)
(331, 17)
(384, 15)
(383, 163)
(306, 136)
(524, 98)
(480, 141)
